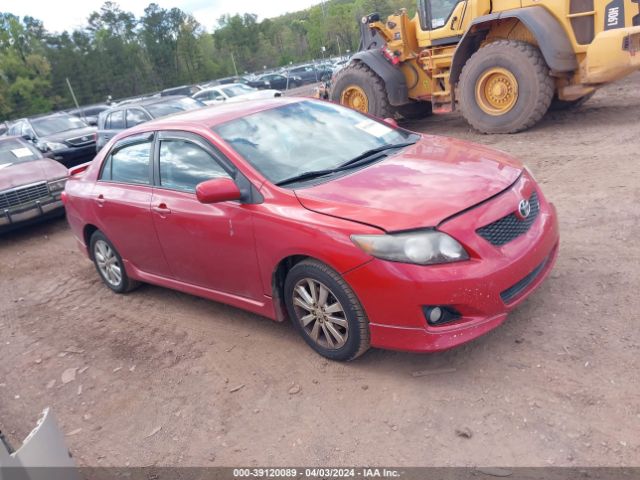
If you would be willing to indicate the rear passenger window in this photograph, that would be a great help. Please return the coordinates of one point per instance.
(183, 165)
(129, 164)
(115, 121)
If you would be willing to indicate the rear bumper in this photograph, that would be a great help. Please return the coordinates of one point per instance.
(483, 290)
(38, 210)
(72, 157)
(613, 54)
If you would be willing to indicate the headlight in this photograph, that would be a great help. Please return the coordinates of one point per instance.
(423, 248)
(52, 146)
(57, 185)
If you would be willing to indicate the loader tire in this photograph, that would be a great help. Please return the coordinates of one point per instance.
(358, 87)
(505, 87)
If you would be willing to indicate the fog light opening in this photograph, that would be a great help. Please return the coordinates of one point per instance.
(438, 315)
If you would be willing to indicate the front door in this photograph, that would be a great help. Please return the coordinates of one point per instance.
(211, 246)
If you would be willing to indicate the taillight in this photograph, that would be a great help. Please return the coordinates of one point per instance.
(79, 169)
(63, 197)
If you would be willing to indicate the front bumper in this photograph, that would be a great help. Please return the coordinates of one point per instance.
(613, 54)
(483, 289)
(37, 210)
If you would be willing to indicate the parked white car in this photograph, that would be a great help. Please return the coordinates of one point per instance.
(233, 92)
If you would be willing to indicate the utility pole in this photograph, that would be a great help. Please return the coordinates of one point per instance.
(234, 64)
(75, 100)
(339, 49)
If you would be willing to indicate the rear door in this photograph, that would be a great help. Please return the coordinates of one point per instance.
(122, 202)
(211, 246)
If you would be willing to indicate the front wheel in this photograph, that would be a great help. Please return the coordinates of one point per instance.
(326, 311)
(505, 87)
(360, 88)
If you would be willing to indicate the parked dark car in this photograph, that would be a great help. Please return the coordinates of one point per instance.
(116, 119)
(89, 113)
(30, 185)
(310, 73)
(3, 128)
(279, 82)
(61, 136)
(261, 84)
(186, 90)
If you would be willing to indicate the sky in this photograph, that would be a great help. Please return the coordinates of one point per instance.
(59, 15)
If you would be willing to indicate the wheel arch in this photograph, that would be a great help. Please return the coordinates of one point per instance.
(393, 78)
(87, 232)
(546, 29)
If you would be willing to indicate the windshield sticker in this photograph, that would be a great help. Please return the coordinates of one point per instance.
(437, 22)
(374, 128)
(22, 152)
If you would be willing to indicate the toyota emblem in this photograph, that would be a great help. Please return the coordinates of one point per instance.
(524, 209)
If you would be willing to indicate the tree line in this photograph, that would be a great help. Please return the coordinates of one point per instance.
(116, 54)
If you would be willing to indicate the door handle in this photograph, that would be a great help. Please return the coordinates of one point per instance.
(100, 200)
(161, 209)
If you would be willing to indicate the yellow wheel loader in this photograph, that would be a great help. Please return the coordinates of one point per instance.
(503, 63)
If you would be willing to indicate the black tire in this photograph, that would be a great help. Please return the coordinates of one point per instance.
(559, 105)
(415, 110)
(357, 334)
(360, 75)
(125, 284)
(535, 86)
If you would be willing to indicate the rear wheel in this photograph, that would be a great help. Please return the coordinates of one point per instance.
(358, 87)
(325, 311)
(109, 264)
(505, 87)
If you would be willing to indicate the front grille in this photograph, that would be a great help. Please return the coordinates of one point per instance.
(510, 227)
(23, 196)
(512, 292)
(80, 141)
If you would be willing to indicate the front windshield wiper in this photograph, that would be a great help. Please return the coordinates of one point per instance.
(362, 159)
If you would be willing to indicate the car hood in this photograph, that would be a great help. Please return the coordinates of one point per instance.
(34, 171)
(70, 134)
(419, 187)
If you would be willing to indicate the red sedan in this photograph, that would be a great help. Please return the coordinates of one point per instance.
(361, 233)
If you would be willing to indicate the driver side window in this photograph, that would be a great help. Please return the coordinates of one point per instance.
(183, 165)
(441, 11)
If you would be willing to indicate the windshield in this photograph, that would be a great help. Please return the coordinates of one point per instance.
(176, 105)
(440, 11)
(290, 140)
(14, 151)
(60, 123)
(236, 90)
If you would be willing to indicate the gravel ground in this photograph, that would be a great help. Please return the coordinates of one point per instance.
(163, 378)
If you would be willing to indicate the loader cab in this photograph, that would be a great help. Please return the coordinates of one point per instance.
(443, 22)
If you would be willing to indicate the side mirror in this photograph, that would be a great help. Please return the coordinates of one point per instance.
(217, 190)
(28, 138)
(391, 121)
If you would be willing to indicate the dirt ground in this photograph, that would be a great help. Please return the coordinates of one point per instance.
(159, 373)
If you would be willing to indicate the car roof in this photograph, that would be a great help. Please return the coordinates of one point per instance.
(146, 101)
(212, 116)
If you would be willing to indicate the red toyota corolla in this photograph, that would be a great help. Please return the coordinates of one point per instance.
(362, 233)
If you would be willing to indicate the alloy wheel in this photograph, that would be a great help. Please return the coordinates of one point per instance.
(108, 263)
(320, 314)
